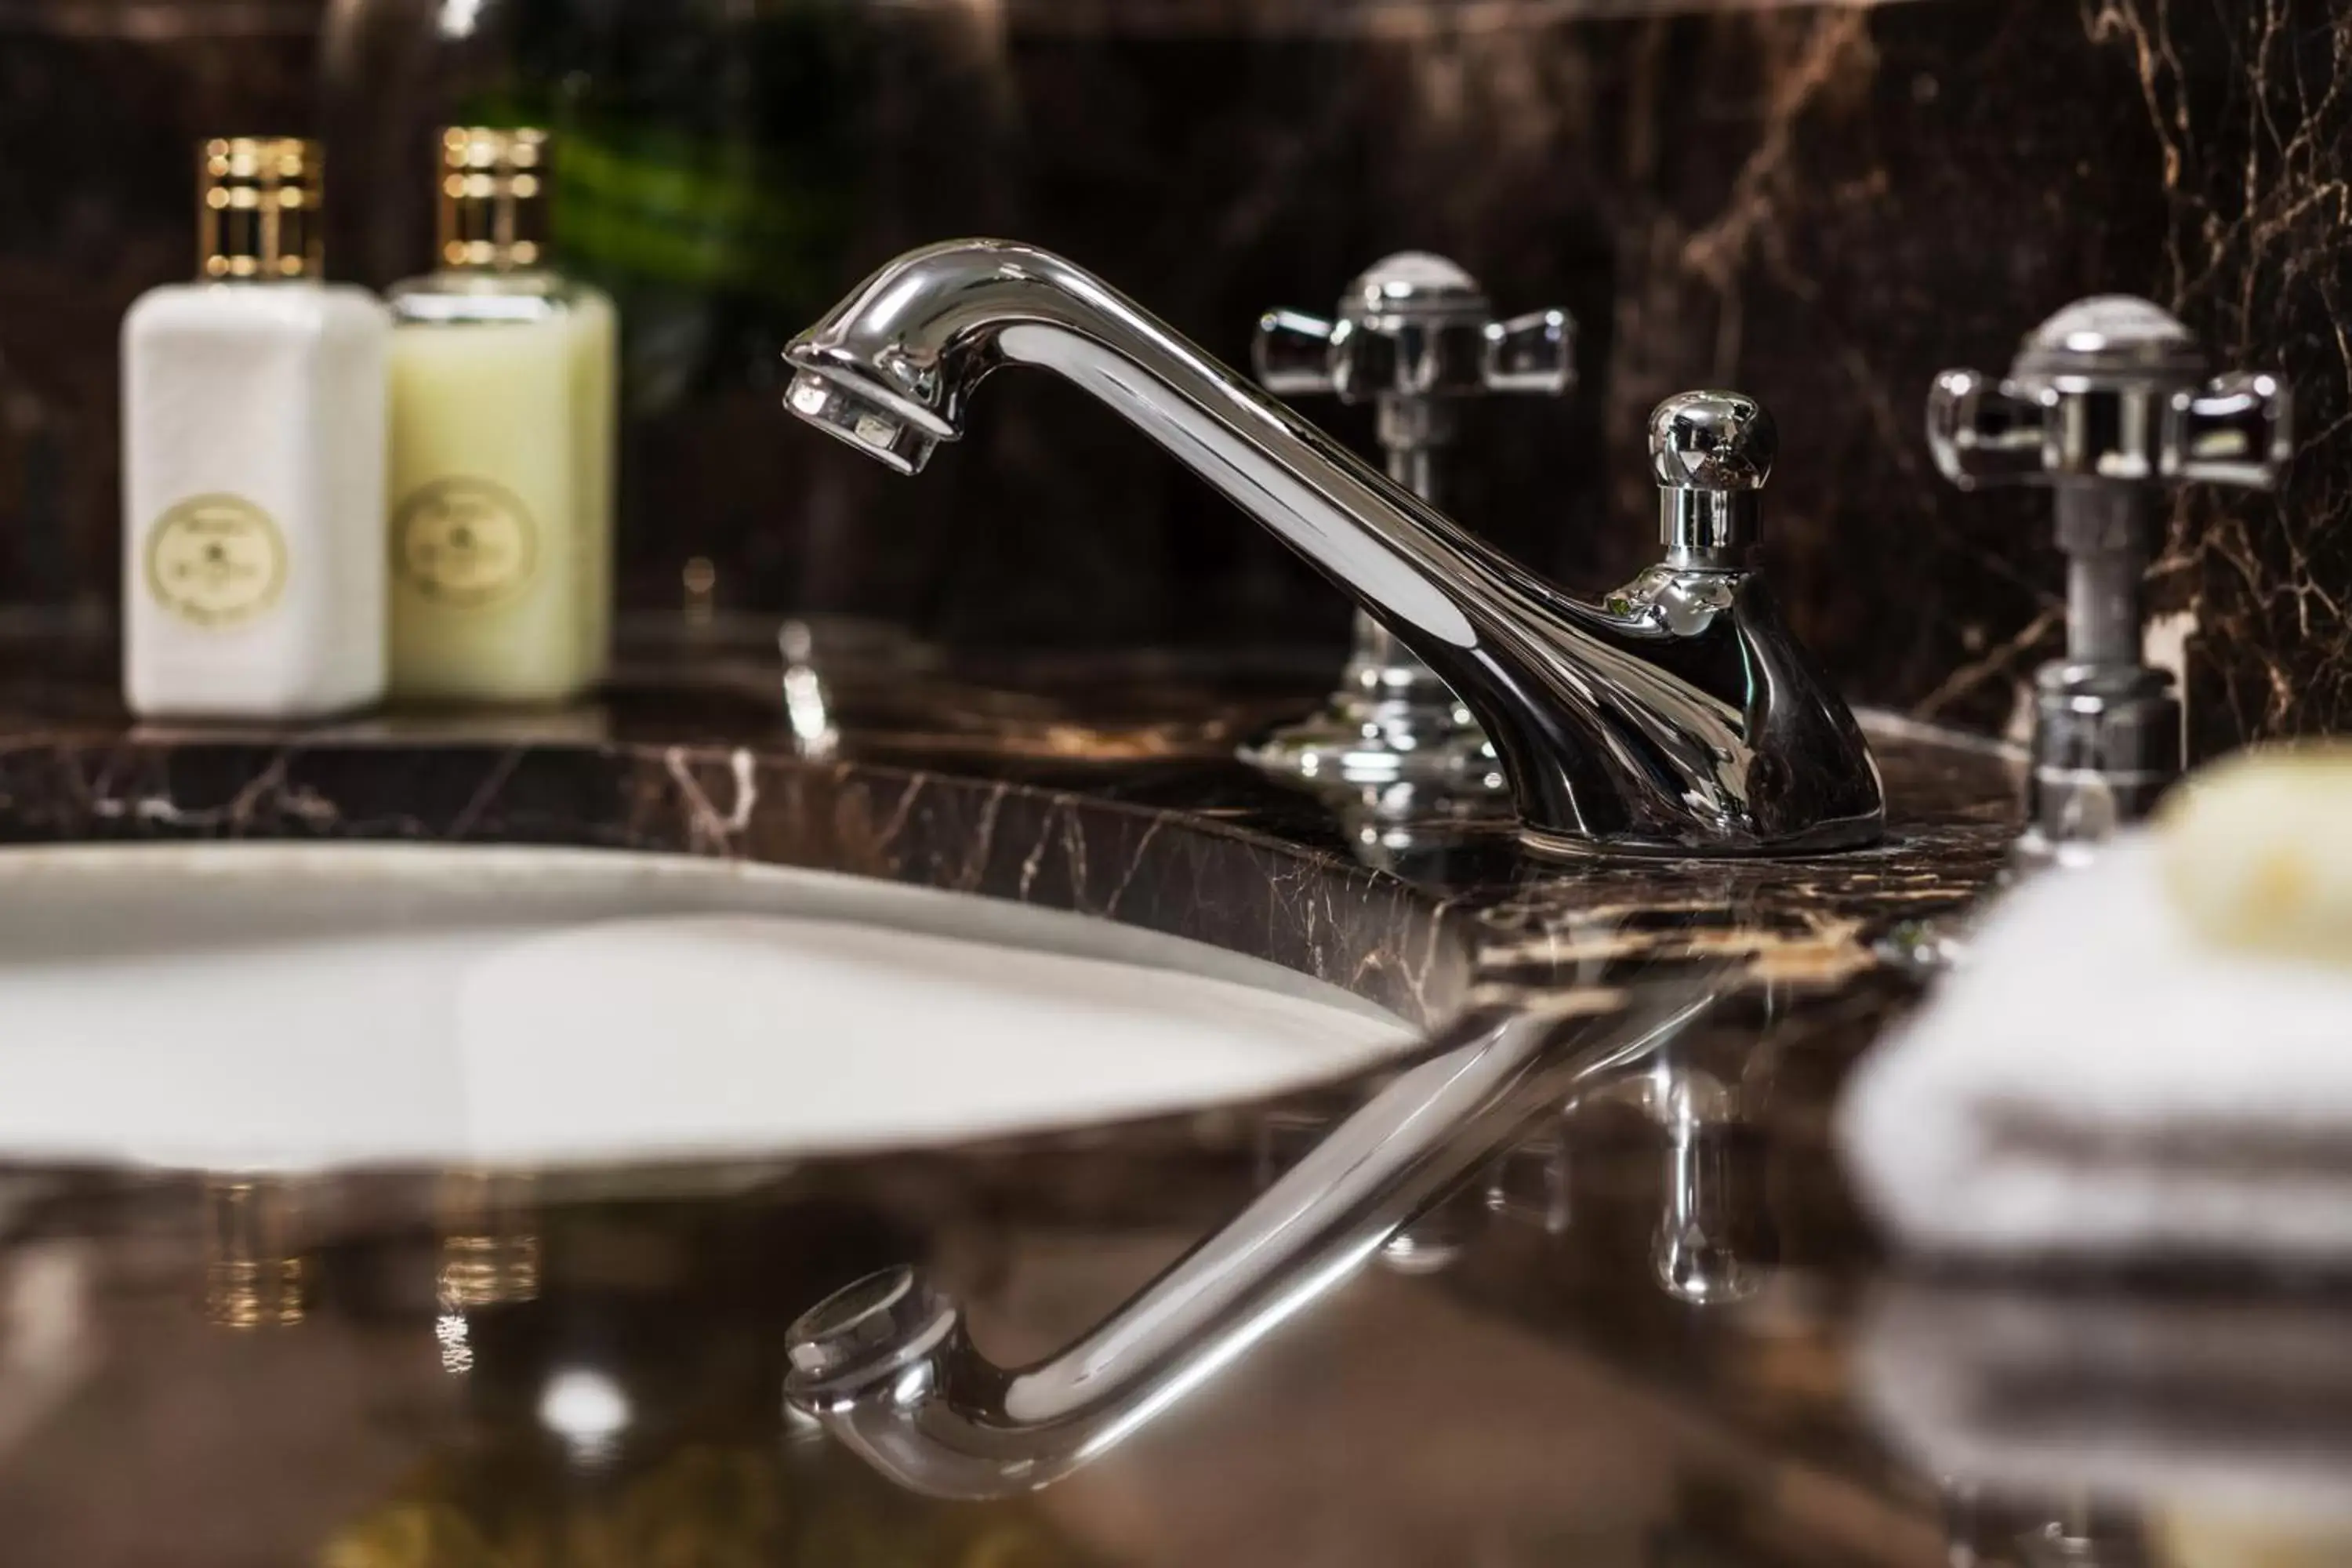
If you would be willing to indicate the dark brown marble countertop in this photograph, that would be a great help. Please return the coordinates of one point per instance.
(352, 1371)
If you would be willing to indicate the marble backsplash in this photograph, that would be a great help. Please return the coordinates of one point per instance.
(1821, 204)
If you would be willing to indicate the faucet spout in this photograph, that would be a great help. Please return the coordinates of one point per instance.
(1677, 716)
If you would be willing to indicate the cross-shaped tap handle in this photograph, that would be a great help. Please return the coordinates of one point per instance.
(1413, 333)
(2110, 390)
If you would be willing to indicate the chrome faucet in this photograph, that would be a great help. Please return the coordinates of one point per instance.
(1677, 716)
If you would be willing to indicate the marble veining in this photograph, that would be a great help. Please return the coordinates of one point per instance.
(2254, 129)
(1262, 872)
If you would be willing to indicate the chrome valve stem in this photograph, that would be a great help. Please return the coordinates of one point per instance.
(2108, 400)
(1414, 336)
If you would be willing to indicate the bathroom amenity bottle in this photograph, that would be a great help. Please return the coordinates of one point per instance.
(502, 411)
(253, 462)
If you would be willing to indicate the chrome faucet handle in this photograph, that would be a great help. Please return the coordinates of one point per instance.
(2107, 400)
(1293, 355)
(1534, 353)
(2110, 390)
(1414, 335)
(1711, 453)
(1413, 332)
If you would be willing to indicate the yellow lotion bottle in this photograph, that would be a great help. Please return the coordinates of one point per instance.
(503, 415)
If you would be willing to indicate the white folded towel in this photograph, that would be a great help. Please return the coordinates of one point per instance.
(2097, 1081)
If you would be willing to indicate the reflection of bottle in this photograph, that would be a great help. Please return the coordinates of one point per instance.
(502, 408)
(253, 461)
(253, 1276)
(490, 1256)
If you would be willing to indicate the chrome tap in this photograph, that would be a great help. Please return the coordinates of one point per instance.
(1414, 337)
(1677, 716)
(2107, 400)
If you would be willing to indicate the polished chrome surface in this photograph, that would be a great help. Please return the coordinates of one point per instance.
(1414, 335)
(886, 1365)
(1714, 1242)
(1711, 453)
(1676, 717)
(808, 706)
(2107, 400)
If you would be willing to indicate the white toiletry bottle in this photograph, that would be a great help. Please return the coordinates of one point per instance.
(503, 415)
(253, 461)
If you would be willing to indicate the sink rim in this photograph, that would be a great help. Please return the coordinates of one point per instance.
(498, 872)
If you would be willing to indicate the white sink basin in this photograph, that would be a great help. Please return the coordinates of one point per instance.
(294, 1008)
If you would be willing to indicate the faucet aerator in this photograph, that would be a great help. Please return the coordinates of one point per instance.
(863, 1332)
(840, 411)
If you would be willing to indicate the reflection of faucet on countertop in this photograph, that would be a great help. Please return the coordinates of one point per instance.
(886, 1366)
(1702, 1093)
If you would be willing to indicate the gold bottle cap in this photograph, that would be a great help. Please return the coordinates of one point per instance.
(493, 210)
(257, 207)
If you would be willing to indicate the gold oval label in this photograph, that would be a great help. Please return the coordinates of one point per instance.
(215, 560)
(464, 542)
